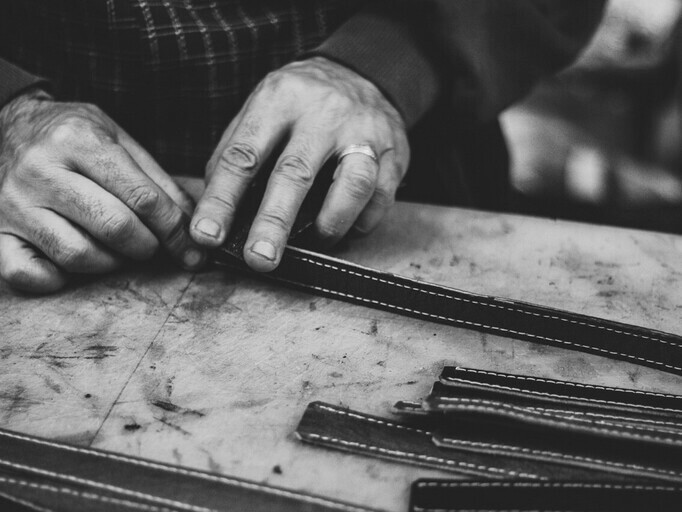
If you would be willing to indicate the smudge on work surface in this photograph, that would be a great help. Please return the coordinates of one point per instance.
(171, 407)
(250, 404)
(100, 351)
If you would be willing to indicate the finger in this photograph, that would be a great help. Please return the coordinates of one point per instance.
(157, 174)
(383, 197)
(236, 161)
(101, 214)
(354, 183)
(25, 269)
(64, 244)
(112, 168)
(289, 183)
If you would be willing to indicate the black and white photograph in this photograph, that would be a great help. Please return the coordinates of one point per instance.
(341, 255)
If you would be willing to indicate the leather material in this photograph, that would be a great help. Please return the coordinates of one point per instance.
(452, 496)
(324, 275)
(522, 389)
(411, 443)
(60, 477)
(498, 414)
(661, 432)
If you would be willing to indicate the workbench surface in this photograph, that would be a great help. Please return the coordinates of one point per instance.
(213, 370)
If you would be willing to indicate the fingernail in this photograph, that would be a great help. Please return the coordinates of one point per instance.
(208, 227)
(264, 249)
(192, 258)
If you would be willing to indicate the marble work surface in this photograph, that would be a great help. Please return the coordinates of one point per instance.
(214, 370)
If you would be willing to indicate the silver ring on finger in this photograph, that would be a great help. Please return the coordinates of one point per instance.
(362, 149)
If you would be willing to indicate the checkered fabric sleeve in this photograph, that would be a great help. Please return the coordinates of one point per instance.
(173, 73)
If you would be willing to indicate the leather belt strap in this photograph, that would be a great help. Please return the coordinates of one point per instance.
(449, 496)
(39, 474)
(343, 280)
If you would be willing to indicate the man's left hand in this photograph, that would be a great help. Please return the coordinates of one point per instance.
(318, 108)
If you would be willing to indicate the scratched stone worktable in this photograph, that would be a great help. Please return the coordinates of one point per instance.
(213, 370)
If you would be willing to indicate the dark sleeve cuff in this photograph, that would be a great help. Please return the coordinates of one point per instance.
(14, 81)
(381, 43)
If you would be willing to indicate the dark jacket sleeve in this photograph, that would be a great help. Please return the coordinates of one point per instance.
(14, 81)
(478, 55)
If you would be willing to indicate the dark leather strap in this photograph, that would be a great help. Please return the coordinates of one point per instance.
(536, 391)
(452, 496)
(343, 280)
(47, 475)
(604, 428)
(355, 432)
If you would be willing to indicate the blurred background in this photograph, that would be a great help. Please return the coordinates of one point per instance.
(602, 142)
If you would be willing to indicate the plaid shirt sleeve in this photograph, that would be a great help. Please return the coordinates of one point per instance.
(14, 81)
(482, 55)
(382, 42)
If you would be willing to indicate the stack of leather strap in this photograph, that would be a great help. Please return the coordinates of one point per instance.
(531, 440)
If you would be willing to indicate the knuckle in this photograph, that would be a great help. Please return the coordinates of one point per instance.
(383, 197)
(227, 206)
(340, 103)
(329, 229)
(277, 218)
(91, 108)
(73, 256)
(31, 163)
(67, 132)
(143, 200)
(360, 182)
(295, 169)
(17, 276)
(118, 228)
(240, 158)
(273, 80)
(175, 233)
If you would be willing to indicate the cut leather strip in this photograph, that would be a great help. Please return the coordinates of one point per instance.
(450, 399)
(535, 390)
(150, 483)
(331, 277)
(351, 431)
(536, 418)
(343, 280)
(43, 493)
(608, 455)
(453, 496)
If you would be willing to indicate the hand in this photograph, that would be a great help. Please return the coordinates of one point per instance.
(78, 194)
(318, 107)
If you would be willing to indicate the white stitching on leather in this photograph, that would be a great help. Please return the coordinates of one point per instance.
(112, 488)
(88, 495)
(553, 395)
(375, 420)
(184, 472)
(563, 456)
(566, 383)
(25, 503)
(552, 485)
(519, 412)
(609, 416)
(476, 324)
(400, 453)
(417, 456)
(471, 301)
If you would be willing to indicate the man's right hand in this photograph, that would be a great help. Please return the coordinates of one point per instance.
(79, 195)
